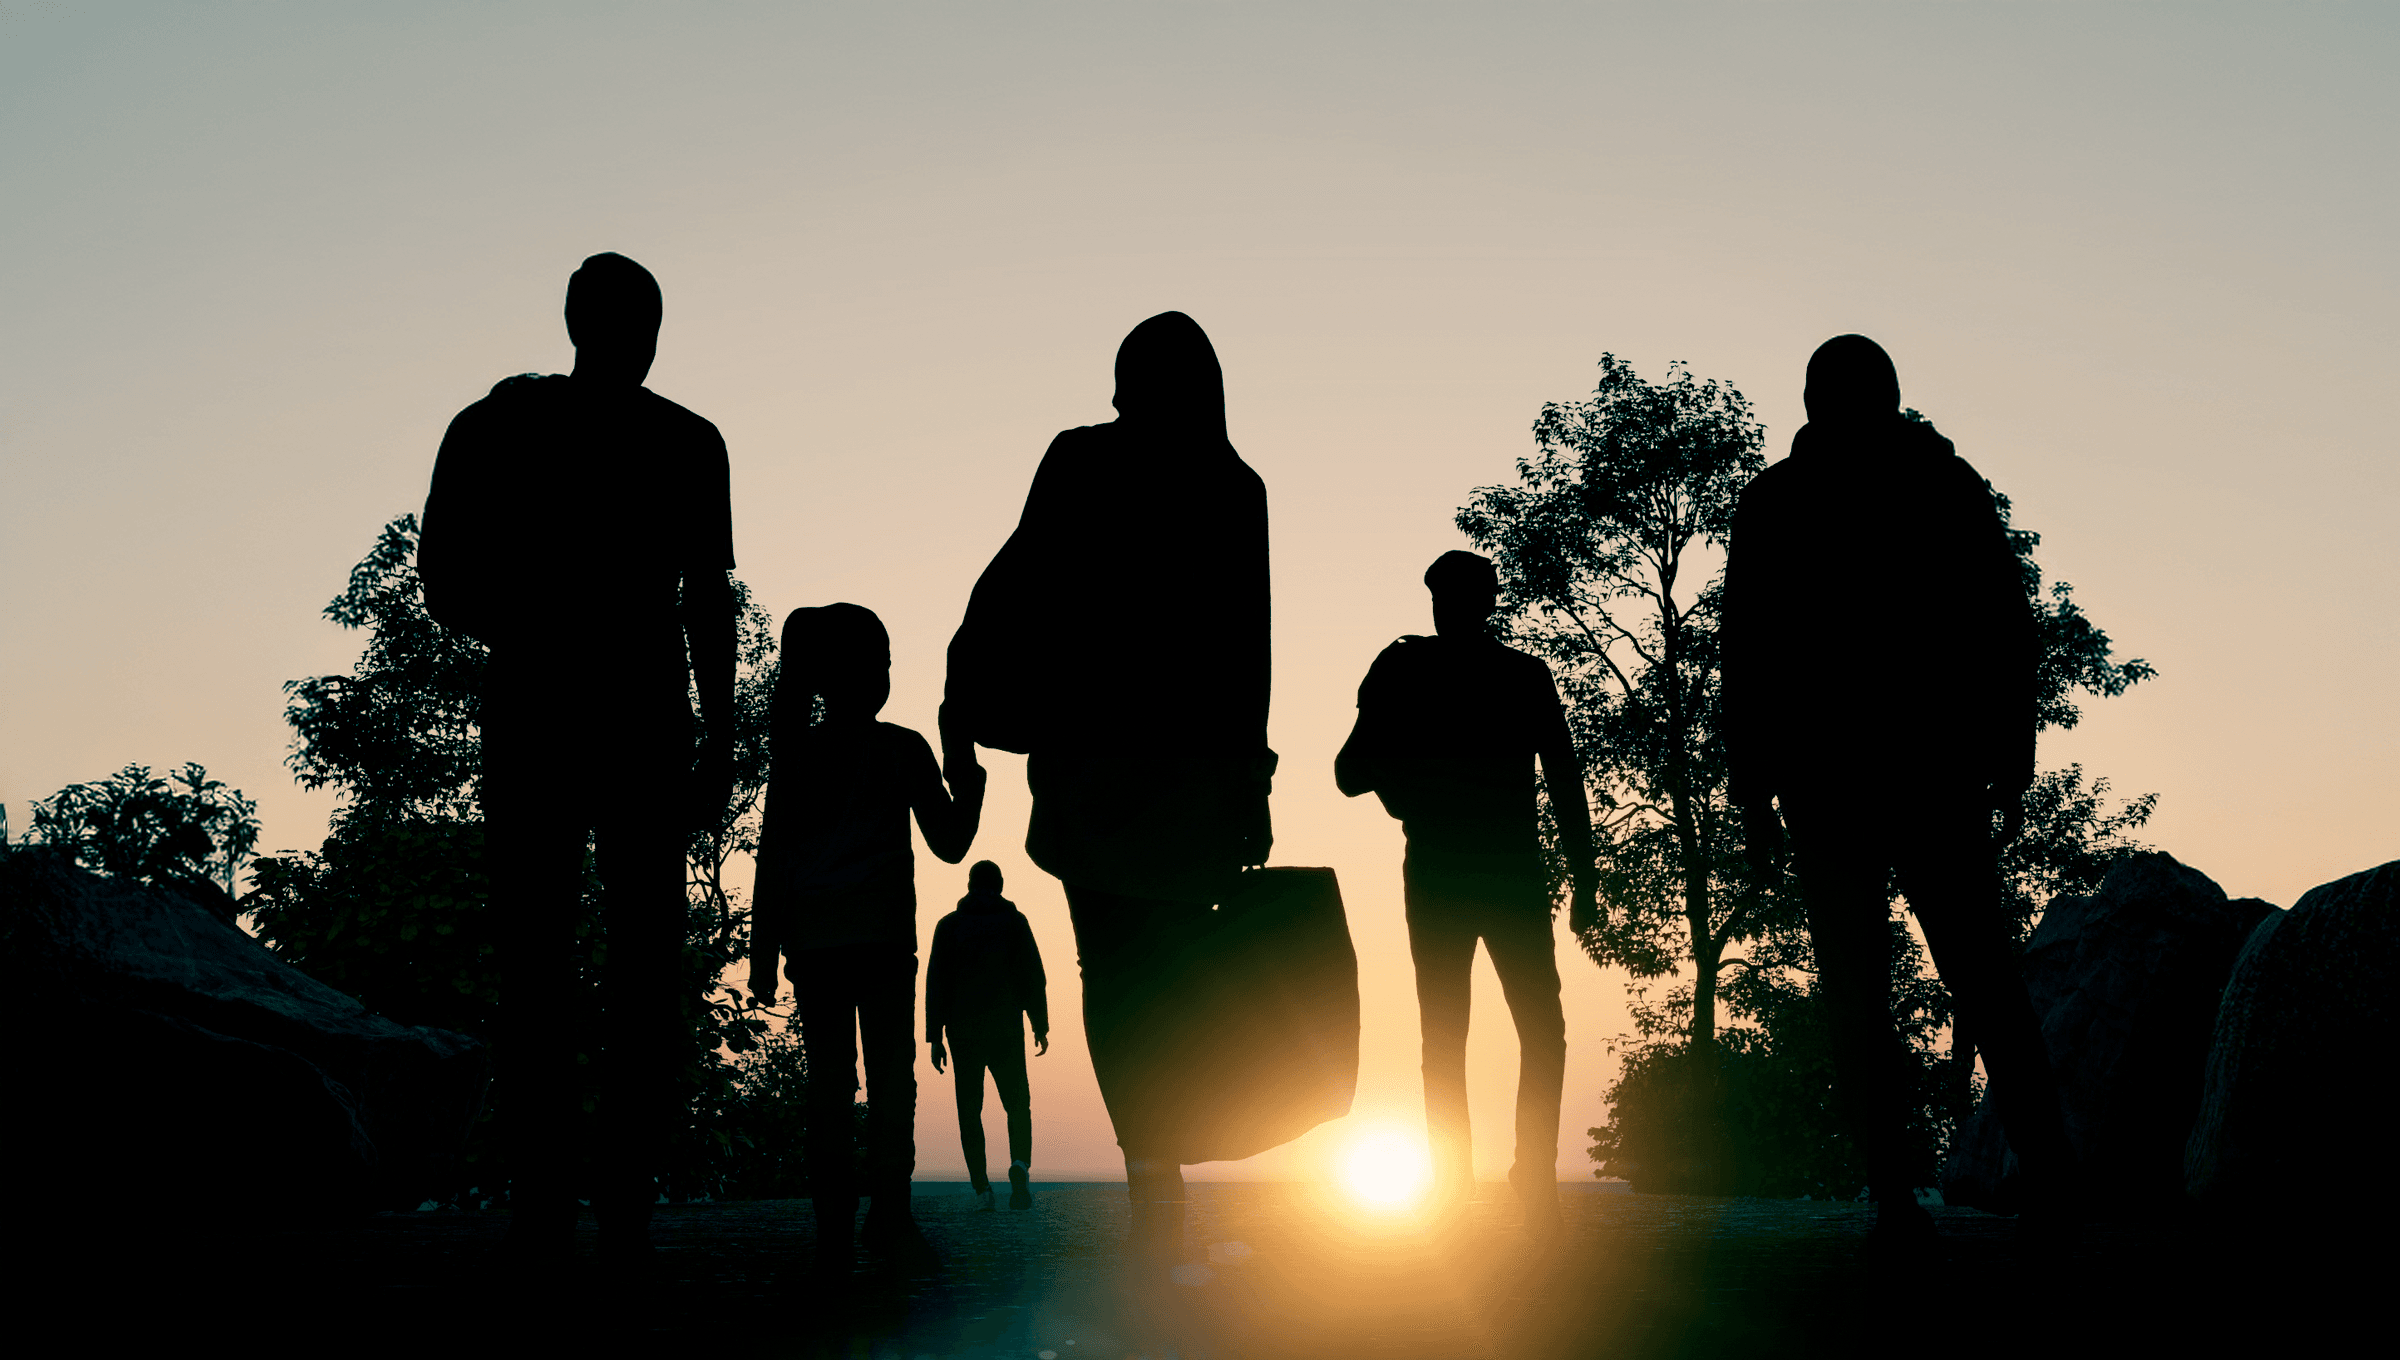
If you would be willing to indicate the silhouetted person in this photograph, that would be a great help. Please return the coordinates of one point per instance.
(581, 526)
(1120, 637)
(982, 984)
(1879, 683)
(837, 897)
(1448, 730)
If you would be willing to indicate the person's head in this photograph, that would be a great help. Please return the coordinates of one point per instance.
(1168, 375)
(839, 653)
(1466, 589)
(983, 877)
(1851, 378)
(613, 310)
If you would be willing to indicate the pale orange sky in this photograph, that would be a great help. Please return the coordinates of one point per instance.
(2136, 261)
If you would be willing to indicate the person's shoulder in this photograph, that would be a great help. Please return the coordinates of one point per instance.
(1781, 477)
(681, 419)
(516, 394)
(906, 740)
(1523, 663)
(1407, 653)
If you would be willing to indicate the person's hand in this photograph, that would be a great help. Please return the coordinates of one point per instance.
(941, 1056)
(712, 783)
(1583, 913)
(966, 777)
(762, 982)
(1041, 1043)
(1762, 837)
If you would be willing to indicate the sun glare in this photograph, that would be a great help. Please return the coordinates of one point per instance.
(1386, 1168)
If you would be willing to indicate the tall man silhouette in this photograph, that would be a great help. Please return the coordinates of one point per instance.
(1879, 683)
(1448, 730)
(581, 526)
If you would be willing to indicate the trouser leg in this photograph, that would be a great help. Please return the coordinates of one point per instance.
(1443, 949)
(1953, 887)
(1526, 958)
(1007, 1058)
(646, 1027)
(1849, 924)
(1134, 954)
(534, 847)
(1130, 954)
(887, 1040)
(825, 991)
(966, 1069)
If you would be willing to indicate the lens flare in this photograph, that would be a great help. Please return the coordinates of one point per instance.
(1386, 1169)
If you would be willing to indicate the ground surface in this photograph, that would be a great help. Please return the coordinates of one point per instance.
(1275, 1271)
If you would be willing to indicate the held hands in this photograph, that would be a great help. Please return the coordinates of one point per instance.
(1041, 1042)
(941, 1057)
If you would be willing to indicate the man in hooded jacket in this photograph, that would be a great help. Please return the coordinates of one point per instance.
(1879, 675)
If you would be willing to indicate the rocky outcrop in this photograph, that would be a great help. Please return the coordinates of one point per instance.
(2126, 983)
(159, 1054)
(2295, 1081)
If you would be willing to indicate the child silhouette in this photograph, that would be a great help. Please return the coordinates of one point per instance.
(837, 900)
(983, 982)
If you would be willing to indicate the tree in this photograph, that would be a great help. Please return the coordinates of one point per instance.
(393, 907)
(183, 831)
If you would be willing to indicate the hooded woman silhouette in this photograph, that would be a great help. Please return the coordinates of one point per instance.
(1120, 639)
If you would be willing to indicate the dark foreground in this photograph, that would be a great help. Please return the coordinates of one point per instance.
(1292, 1271)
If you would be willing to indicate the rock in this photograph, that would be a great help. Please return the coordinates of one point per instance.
(2295, 1076)
(163, 1055)
(2126, 983)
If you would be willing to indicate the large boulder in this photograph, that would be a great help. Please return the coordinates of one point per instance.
(2126, 983)
(2295, 1076)
(160, 1054)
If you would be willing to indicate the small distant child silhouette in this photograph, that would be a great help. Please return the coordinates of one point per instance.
(983, 982)
(837, 899)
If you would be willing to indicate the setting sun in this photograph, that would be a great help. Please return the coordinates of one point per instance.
(1386, 1168)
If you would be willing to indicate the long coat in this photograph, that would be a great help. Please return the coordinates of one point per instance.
(1120, 638)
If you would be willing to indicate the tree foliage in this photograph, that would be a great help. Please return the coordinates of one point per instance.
(182, 830)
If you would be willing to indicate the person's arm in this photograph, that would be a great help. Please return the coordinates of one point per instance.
(1745, 727)
(708, 627)
(1355, 769)
(1036, 986)
(948, 817)
(454, 547)
(1562, 773)
(766, 935)
(937, 991)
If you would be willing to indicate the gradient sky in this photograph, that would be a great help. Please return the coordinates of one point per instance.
(2137, 261)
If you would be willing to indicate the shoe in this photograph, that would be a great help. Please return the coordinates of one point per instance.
(1020, 1195)
(984, 1201)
